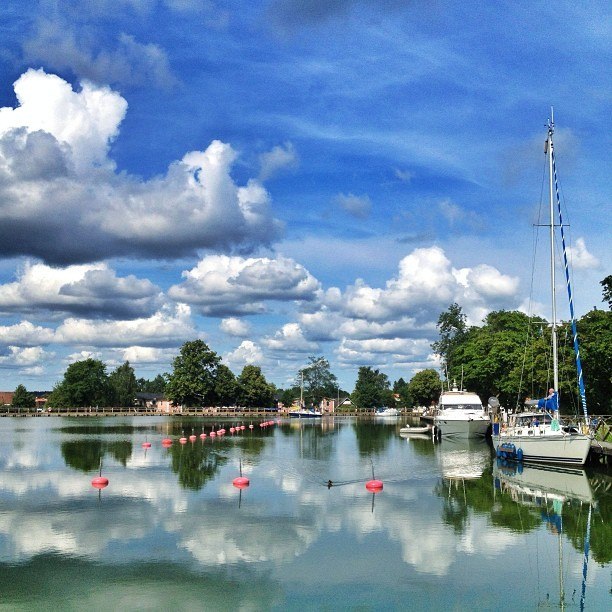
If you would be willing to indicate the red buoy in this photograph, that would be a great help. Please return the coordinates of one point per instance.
(166, 442)
(232, 429)
(202, 435)
(193, 437)
(146, 445)
(241, 482)
(99, 482)
(212, 434)
(183, 440)
(374, 486)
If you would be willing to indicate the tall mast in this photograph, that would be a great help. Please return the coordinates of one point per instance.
(551, 129)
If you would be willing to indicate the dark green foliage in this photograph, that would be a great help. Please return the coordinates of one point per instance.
(192, 381)
(403, 390)
(85, 384)
(451, 327)
(595, 334)
(606, 284)
(226, 387)
(288, 396)
(23, 399)
(319, 382)
(123, 385)
(425, 387)
(372, 389)
(253, 389)
(157, 385)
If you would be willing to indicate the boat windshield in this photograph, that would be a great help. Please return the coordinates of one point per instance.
(529, 419)
(461, 407)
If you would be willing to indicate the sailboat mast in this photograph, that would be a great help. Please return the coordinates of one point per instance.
(551, 128)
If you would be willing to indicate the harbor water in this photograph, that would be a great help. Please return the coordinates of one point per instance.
(452, 528)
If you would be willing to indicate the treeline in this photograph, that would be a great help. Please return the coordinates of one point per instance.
(508, 356)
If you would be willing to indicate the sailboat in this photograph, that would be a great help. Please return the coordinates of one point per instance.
(541, 436)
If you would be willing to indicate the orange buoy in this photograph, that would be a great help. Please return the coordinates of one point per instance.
(374, 486)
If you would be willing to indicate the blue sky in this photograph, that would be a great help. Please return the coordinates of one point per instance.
(287, 178)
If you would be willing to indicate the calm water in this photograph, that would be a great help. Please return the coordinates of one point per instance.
(450, 531)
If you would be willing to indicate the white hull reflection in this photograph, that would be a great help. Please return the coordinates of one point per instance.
(463, 459)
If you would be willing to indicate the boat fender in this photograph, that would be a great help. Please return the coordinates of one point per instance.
(519, 454)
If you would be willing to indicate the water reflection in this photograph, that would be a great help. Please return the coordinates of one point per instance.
(171, 518)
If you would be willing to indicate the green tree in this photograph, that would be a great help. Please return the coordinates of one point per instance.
(157, 385)
(319, 382)
(401, 388)
(288, 396)
(253, 389)
(451, 327)
(85, 383)
(606, 284)
(595, 330)
(23, 399)
(226, 389)
(123, 384)
(192, 381)
(425, 387)
(372, 389)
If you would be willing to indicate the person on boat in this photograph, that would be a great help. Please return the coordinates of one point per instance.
(550, 402)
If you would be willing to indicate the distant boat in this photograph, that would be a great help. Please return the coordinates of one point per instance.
(305, 413)
(541, 436)
(460, 414)
(386, 412)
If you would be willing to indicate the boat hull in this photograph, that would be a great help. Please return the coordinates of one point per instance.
(558, 449)
(450, 426)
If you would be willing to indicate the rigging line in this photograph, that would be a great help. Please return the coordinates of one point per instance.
(569, 294)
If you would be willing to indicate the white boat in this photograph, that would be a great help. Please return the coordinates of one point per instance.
(409, 430)
(386, 412)
(541, 436)
(460, 414)
(305, 413)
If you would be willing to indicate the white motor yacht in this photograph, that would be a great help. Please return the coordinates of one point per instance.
(461, 414)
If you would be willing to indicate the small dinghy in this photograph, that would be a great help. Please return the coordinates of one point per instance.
(409, 430)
